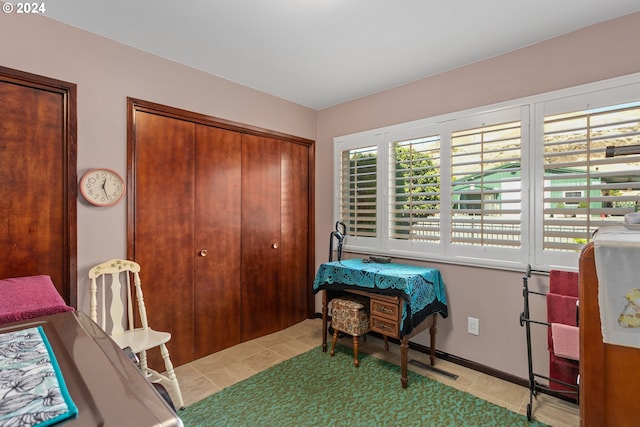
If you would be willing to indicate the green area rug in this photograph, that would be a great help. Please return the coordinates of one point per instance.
(314, 389)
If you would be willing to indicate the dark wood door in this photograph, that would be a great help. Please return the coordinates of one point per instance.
(163, 201)
(204, 185)
(261, 239)
(38, 187)
(217, 239)
(294, 232)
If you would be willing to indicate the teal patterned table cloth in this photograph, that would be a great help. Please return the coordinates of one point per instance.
(32, 389)
(422, 288)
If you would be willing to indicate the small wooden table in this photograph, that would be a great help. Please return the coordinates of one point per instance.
(402, 297)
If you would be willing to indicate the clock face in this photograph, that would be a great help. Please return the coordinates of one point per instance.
(102, 187)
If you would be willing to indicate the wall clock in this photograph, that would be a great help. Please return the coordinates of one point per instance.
(102, 187)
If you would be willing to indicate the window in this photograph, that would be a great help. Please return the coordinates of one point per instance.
(523, 182)
(486, 186)
(358, 185)
(415, 189)
(583, 188)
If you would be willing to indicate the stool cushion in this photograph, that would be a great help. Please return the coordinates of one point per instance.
(350, 314)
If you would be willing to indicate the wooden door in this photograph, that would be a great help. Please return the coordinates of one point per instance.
(217, 233)
(295, 235)
(261, 239)
(199, 184)
(162, 204)
(38, 187)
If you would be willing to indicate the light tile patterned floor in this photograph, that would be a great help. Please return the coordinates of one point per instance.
(210, 374)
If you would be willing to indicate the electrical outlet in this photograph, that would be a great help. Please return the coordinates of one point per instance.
(473, 326)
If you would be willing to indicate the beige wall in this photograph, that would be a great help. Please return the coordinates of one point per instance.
(495, 297)
(107, 72)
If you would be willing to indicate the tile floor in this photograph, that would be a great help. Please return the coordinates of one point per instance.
(210, 374)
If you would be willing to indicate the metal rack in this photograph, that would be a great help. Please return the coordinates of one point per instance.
(525, 320)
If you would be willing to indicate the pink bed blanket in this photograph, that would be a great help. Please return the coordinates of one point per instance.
(23, 298)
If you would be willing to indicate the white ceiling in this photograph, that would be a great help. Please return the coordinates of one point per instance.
(320, 53)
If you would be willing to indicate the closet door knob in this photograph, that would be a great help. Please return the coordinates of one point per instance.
(275, 245)
(203, 252)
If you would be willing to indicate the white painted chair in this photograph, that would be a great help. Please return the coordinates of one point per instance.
(114, 279)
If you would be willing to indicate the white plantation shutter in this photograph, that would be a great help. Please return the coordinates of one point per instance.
(486, 192)
(524, 182)
(584, 189)
(358, 191)
(414, 202)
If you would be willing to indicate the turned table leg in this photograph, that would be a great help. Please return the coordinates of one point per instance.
(404, 350)
(324, 321)
(432, 332)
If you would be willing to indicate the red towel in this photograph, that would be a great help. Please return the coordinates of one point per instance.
(565, 370)
(563, 283)
(562, 308)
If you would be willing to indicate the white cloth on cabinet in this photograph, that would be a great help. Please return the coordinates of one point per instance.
(617, 258)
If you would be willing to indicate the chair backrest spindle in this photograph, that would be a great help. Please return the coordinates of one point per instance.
(140, 297)
(108, 276)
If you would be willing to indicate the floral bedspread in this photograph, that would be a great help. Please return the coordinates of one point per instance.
(422, 288)
(32, 390)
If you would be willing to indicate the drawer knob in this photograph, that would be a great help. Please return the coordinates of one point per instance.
(383, 326)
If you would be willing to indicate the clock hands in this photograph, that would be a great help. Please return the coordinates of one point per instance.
(104, 185)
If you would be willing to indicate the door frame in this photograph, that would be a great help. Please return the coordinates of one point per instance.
(69, 288)
(135, 105)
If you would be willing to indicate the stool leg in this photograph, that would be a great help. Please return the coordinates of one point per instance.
(334, 341)
(356, 362)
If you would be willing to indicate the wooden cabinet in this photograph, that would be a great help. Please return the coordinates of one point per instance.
(385, 315)
(609, 374)
(220, 225)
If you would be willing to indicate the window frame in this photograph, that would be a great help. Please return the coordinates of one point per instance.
(531, 112)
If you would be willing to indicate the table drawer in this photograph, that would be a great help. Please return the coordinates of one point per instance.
(385, 326)
(385, 310)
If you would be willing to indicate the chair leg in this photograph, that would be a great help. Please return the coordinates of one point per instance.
(334, 341)
(386, 343)
(172, 375)
(356, 362)
(143, 363)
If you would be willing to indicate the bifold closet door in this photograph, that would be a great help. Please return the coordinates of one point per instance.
(217, 239)
(219, 222)
(294, 219)
(164, 233)
(261, 240)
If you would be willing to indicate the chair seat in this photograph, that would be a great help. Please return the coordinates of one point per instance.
(140, 339)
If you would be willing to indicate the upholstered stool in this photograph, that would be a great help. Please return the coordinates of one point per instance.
(350, 314)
